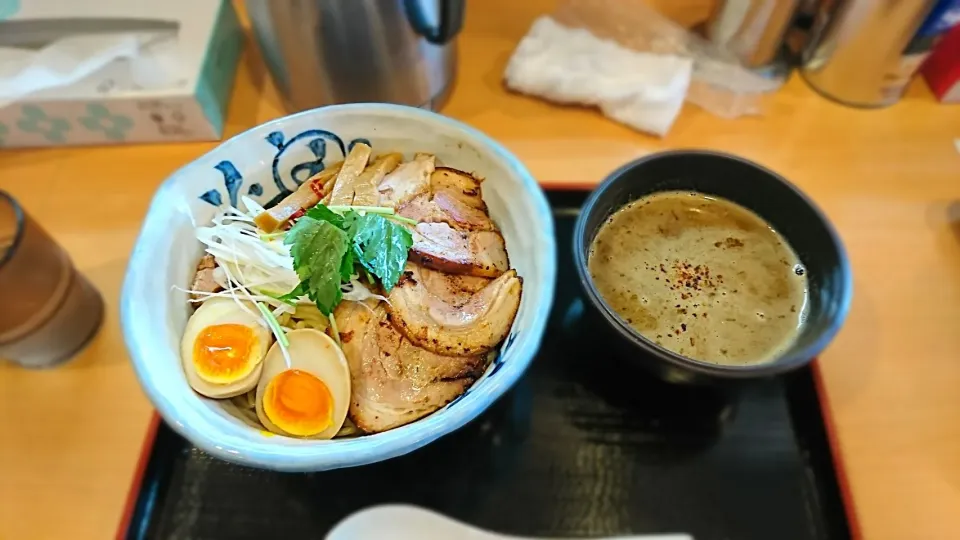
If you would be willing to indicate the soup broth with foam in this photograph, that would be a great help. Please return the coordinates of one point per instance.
(700, 276)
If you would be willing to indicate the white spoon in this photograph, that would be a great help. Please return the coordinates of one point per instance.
(405, 522)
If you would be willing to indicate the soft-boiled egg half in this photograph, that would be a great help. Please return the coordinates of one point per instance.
(310, 396)
(223, 348)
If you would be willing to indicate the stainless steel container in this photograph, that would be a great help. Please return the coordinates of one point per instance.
(754, 30)
(322, 52)
(857, 54)
(798, 35)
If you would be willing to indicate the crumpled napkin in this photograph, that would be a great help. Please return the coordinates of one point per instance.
(570, 65)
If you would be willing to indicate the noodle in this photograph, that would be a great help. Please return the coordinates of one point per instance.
(307, 316)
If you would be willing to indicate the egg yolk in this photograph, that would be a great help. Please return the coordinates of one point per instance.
(299, 403)
(224, 353)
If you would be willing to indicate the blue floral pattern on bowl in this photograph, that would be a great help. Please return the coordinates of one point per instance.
(35, 120)
(99, 118)
(289, 169)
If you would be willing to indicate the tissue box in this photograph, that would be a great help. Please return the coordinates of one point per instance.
(76, 73)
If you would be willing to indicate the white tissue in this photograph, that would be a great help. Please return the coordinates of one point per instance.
(149, 60)
(567, 65)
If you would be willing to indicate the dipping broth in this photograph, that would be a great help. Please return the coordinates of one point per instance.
(700, 276)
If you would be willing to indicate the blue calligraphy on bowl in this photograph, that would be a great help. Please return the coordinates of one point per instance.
(498, 361)
(294, 161)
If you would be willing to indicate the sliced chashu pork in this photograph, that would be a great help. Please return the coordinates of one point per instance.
(394, 382)
(459, 185)
(454, 198)
(476, 253)
(455, 287)
(431, 313)
(204, 280)
(443, 208)
(455, 233)
(407, 181)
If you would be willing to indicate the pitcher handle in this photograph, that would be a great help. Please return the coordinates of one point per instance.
(451, 20)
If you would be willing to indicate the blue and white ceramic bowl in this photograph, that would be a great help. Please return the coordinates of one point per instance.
(268, 162)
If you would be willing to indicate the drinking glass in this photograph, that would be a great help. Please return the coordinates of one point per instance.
(48, 310)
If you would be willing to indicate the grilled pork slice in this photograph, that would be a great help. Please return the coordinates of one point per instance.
(407, 181)
(437, 317)
(457, 288)
(454, 233)
(464, 187)
(394, 382)
(443, 208)
(204, 281)
(454, 198)
(476, 253)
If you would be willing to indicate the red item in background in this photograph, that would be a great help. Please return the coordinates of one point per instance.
(942, 69)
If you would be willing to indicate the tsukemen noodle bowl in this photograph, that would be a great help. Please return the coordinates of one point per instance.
(338, 287)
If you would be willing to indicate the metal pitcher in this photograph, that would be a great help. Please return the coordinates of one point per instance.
(322, 52)
(755, 31)
(858, 53)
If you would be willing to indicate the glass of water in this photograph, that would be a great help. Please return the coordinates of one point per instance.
(48, 310)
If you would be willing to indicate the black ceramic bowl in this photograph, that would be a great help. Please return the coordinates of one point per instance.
(769, 195)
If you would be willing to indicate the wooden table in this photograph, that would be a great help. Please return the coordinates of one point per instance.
(890, 179)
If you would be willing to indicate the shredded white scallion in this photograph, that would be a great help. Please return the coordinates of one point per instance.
(227, 294)
(273, 324)
(264, 266)
(278, 332)
(232, 292)
(253, 207)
